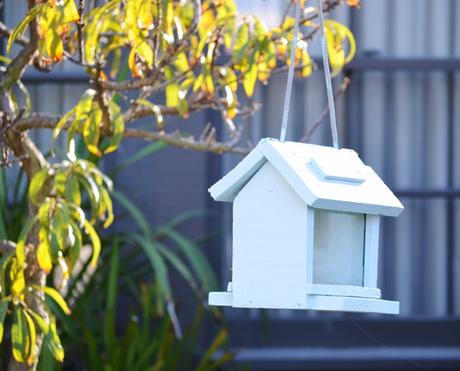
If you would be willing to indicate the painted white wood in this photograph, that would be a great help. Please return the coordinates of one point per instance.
(332, 168)
(325, 303)
(338, 248)
(269, 244)
(371, 250)
(350, 304)
(292, 160)
(230, 185)
(299, 224)
(221, 298)
(310, 241)
(344, 290)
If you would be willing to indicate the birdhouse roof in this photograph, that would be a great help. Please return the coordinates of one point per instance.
(323, 177)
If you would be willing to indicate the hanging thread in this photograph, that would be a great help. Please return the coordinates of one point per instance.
(287, 97)
(327, 77)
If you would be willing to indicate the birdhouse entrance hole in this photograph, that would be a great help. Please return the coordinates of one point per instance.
(338, 248)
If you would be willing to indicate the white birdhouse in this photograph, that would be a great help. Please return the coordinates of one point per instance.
(305, 229)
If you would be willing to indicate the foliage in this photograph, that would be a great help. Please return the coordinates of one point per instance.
(195, 54)
(149, 339)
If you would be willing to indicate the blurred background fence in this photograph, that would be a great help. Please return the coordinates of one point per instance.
(401, 113)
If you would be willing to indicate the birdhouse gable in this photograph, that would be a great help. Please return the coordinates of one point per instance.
(323, 177)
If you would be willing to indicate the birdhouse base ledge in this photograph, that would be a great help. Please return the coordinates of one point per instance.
(318, 302)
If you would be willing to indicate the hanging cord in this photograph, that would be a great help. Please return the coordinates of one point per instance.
(287, 97)
(327, 77)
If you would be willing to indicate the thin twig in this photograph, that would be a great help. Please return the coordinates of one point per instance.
(340, 91)
(80, 26)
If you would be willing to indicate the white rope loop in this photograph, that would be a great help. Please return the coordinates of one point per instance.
(327, 76)
(287, 97)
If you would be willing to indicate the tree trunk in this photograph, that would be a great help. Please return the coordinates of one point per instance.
(32, 160)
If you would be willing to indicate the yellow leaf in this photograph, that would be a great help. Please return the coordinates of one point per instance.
(145, 15)
(44, 251)
(144, 51)
(249, 80)
(70, 12)
(91, 232)
(337, 35)
(32, 338)
(172, 89)
(133, 65)
(91, 131)
(21, 27)
(56, 296)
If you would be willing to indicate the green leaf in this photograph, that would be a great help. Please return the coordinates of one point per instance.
(21, 27)
(44, 327)
(158, 265)
(20, 336)
(134, 211)
(241, 43)
(92, 190)
(61, 123)
(3, 310)
(178, 265)
(53, 342)
(37, 184)
(73, 190)
(118, 128)
(3, 204)
(196, 258)
(60, 180)
(75, 248)
(3, 264)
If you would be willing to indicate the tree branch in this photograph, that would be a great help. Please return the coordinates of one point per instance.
(341, 90)
(6, 32)
(16, 68)
(177, 139)
(7, 247)
(187, 142)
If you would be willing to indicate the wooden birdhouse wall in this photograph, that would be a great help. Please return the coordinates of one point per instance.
(338, 248)
(269, 264)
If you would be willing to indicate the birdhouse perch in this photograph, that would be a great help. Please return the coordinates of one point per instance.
(305, 229)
